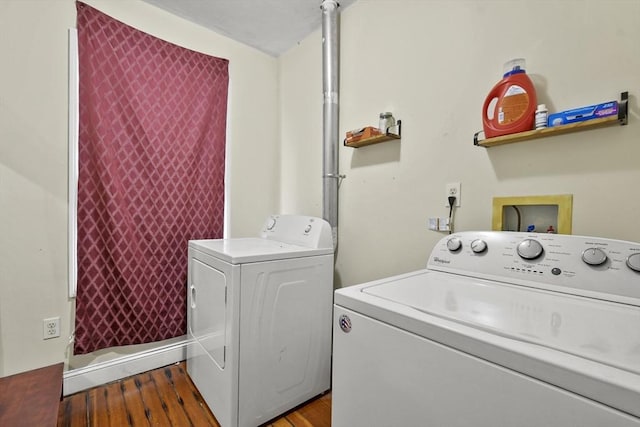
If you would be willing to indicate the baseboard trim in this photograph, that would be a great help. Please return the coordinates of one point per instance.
(76, 380)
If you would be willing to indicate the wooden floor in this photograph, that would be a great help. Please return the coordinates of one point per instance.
(165, 397)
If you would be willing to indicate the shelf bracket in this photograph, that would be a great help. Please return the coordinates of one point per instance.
(475, 137)
(622, 108)
(399, 126)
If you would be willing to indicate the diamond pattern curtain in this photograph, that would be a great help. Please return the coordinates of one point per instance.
(151, 177)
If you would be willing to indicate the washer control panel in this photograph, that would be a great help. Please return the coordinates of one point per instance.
(587, 266)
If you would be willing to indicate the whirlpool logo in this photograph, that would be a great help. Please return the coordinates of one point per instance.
(441, 261)
(345, 323)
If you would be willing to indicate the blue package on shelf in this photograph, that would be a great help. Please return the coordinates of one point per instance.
(581, 114)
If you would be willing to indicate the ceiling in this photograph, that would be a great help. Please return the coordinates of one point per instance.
(272, 26)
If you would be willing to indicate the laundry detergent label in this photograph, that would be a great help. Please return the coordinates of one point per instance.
(513, 105)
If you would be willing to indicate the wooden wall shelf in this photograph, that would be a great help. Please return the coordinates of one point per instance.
(376, 139)
(620, 119)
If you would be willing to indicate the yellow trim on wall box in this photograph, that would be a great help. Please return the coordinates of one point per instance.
(563, 201)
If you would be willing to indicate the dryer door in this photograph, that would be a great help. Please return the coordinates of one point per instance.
(212, 313)
(207, 306)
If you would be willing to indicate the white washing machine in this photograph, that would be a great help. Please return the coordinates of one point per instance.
(500, 330)
(259, 313)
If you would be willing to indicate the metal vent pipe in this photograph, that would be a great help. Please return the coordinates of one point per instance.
(330, 74)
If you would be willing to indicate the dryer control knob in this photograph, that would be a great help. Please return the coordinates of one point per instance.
(529, 249)
(633, 261)
(454, 244)
(271, 223)
(478, 246)
(594, 256)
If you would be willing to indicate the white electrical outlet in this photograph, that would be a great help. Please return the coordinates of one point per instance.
(51, 328)
(453, 189)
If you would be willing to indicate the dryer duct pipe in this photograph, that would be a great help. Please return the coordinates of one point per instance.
(330, 69)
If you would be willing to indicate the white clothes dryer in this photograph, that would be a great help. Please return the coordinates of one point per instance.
(259, 314)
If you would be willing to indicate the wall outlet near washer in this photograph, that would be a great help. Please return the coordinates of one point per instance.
(453, 189)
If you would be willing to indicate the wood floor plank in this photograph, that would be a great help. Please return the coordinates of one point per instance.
(317, 412)
(166, 390)
(133, 403)
(97, 408)
(106, 407)
(280, 422)
(153, 406)
(73, 411)
(298, 420)
(116, 409)
(191, 399)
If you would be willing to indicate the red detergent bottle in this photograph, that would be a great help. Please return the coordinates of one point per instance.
(510, 106)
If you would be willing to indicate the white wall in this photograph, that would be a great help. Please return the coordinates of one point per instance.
(33, 158)
(432, 64)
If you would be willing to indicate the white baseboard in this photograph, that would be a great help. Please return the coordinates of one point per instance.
(76, 380)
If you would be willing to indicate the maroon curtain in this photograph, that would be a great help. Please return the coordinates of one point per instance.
(151, 177)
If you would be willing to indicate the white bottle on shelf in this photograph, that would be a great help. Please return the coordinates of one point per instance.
(541, 116)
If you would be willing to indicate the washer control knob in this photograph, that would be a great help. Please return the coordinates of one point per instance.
(271, 223)
(478, 246)
(529, 249)
(454, 244)
(594, 256)
(633, 261)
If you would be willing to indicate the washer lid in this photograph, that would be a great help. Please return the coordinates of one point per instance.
(602, 331)
(589, 346)
(254, 249)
